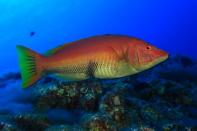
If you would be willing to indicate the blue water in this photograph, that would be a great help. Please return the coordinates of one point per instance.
(45, 24)
(170, 25)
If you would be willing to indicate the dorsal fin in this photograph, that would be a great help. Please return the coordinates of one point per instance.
(60, 47)
(56, 49)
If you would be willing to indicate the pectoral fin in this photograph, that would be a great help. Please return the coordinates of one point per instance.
(70, 77)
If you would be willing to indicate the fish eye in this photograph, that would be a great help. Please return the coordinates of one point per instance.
(148, 47)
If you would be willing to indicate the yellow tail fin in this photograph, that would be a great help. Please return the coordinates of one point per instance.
(29, 66)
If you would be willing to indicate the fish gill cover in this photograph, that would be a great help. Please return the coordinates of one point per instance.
(162, 98)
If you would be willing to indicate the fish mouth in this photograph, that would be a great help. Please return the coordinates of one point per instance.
(159, 60)
(162, 58)
(153, 63)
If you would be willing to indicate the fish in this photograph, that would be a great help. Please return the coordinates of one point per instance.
(32, 33)
(100, 57)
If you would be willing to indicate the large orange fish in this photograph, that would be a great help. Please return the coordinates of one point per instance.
(106, 56)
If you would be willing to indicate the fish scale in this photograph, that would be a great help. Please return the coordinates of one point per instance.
(106, 68)
(105, 56)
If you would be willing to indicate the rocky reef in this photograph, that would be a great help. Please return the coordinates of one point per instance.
(162, 98)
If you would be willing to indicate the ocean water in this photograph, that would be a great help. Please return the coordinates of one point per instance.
(162, 98)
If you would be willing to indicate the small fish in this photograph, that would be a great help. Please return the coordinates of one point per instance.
(104, 56)
(32, 33)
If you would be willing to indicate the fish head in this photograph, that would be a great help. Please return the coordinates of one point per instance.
(143, 56)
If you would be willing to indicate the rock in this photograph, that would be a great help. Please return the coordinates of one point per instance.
(113, 104)
(90, 94)
(177, 127)
(177, 94)
(7, 127)
(10, 76)
(145, 128)
(61, 96)
(184, 61)
(98, 122)
(64, 128)
(79, 95)
(161, 98)
(32, 122)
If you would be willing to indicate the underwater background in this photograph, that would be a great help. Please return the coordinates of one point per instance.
(162, 98)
